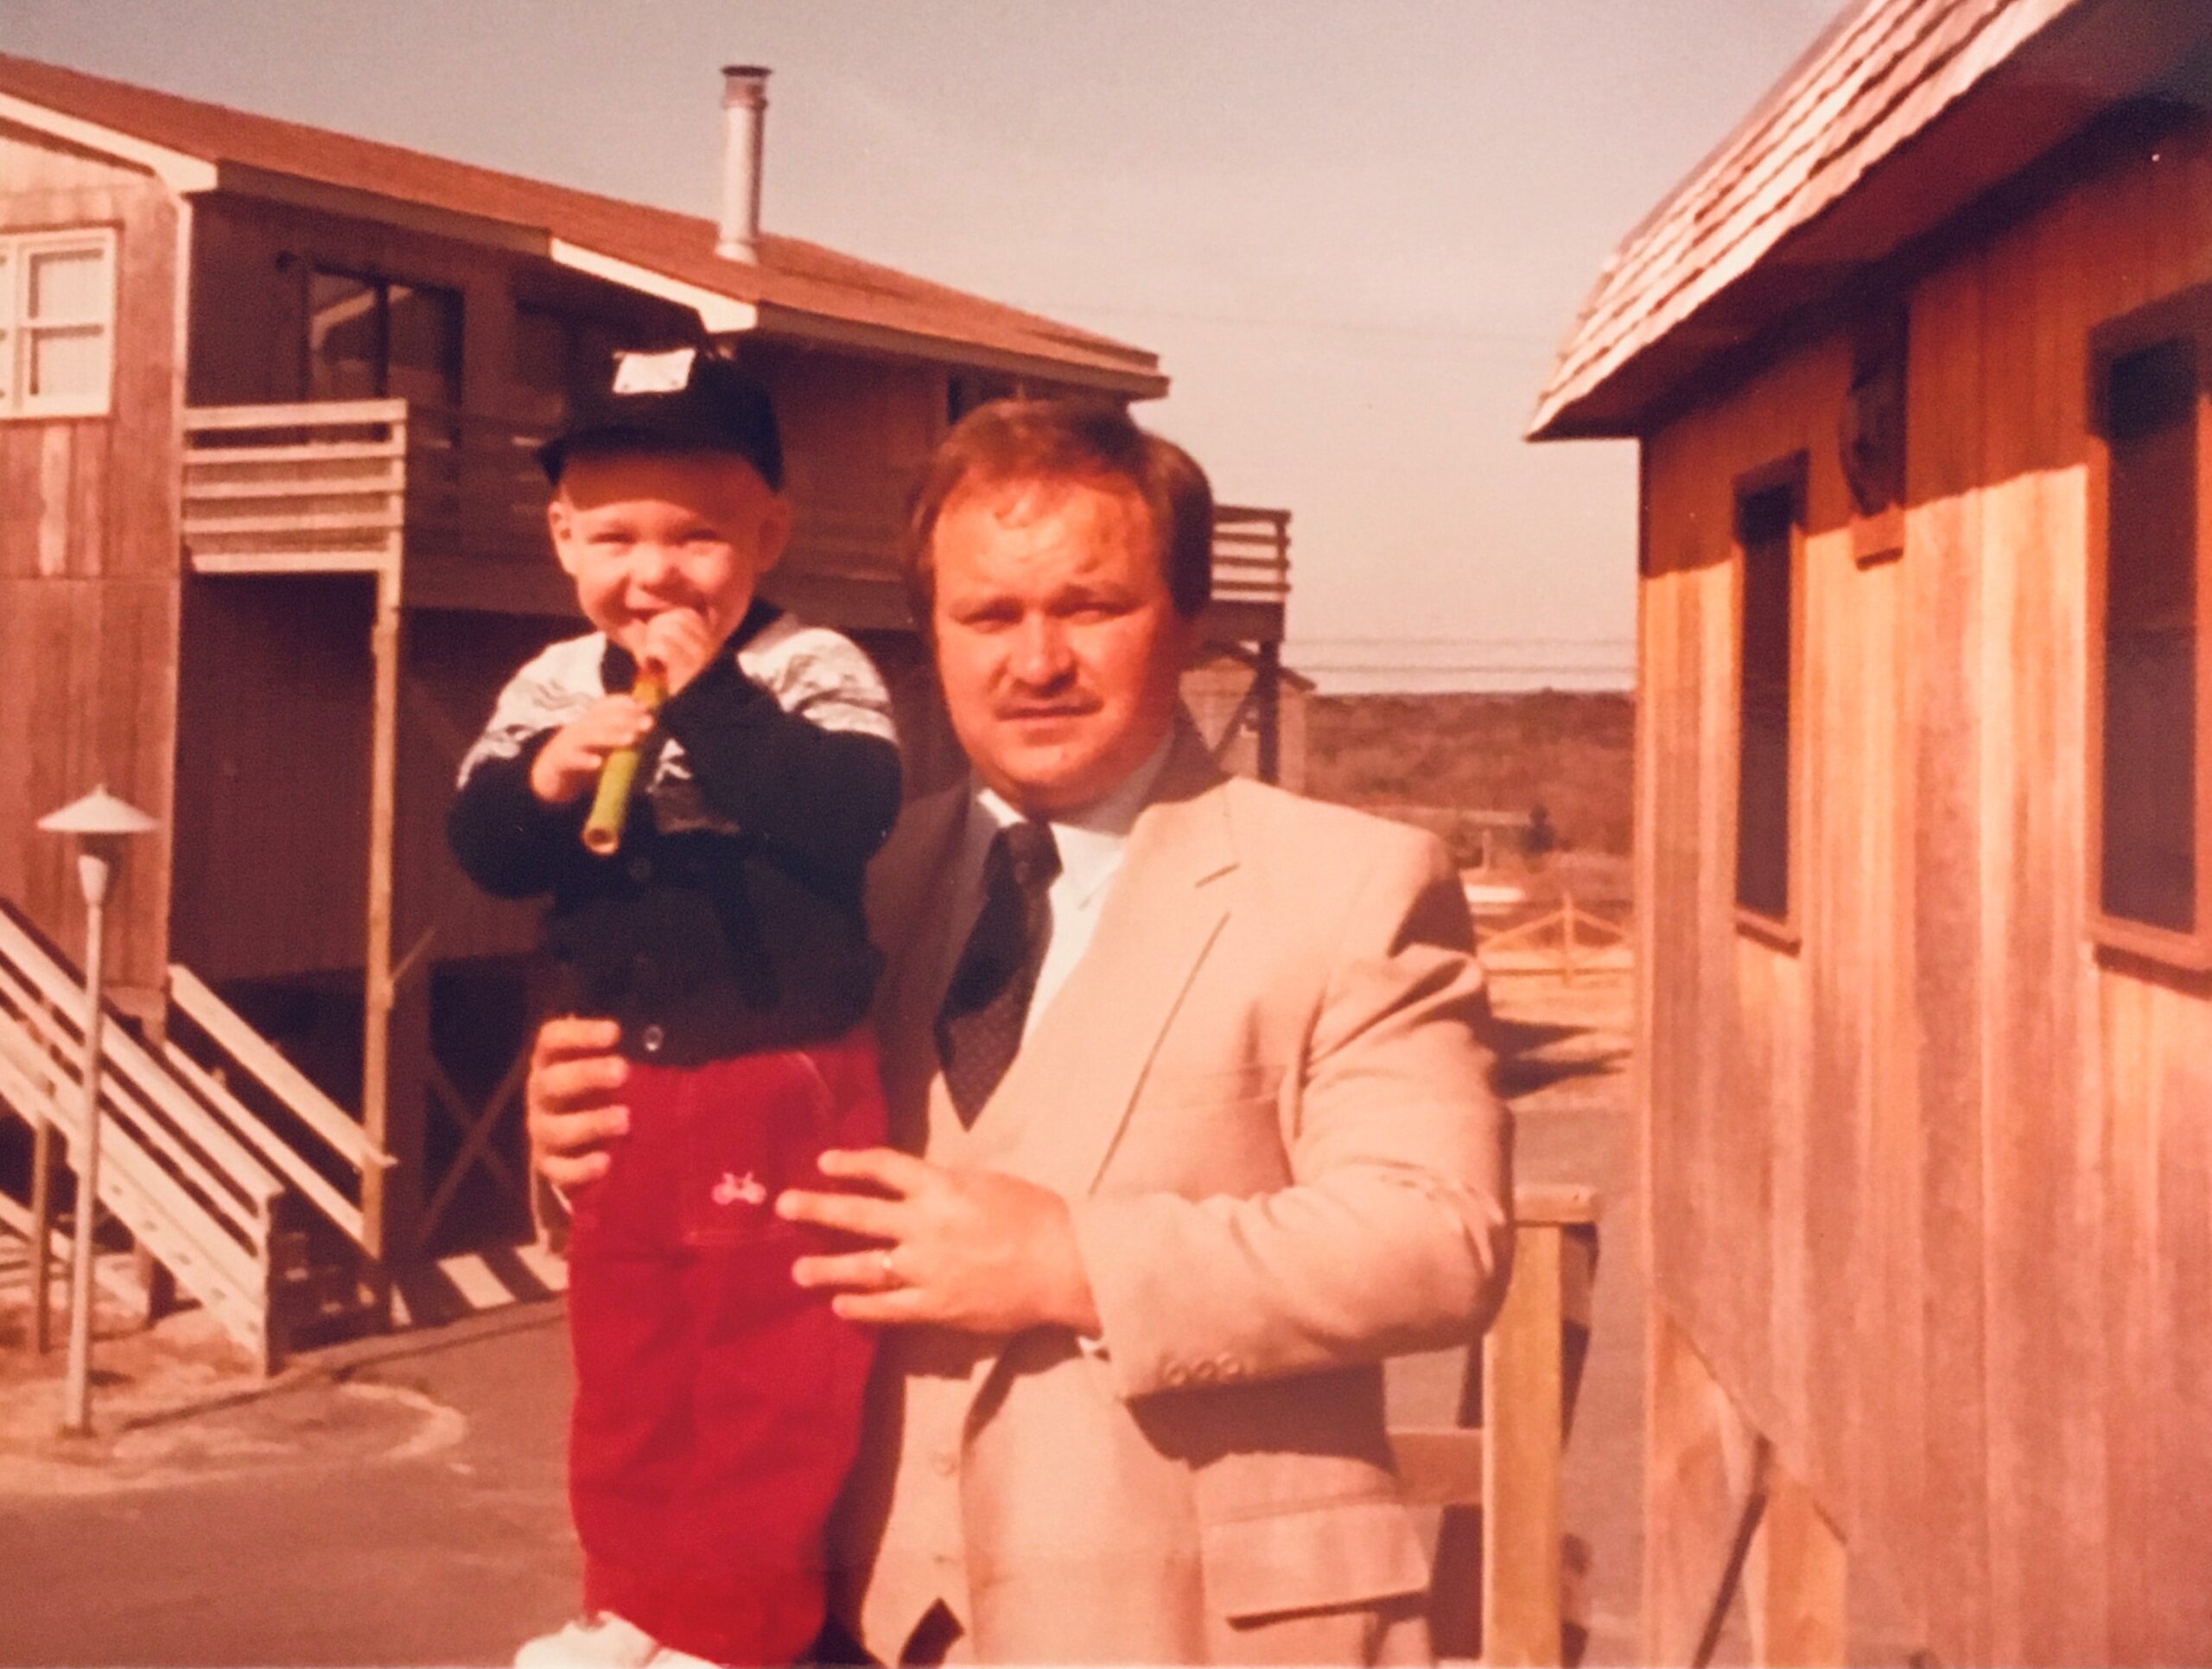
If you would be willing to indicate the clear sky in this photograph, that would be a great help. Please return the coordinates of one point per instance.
(1354, 230)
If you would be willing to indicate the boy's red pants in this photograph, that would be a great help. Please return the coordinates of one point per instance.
(718, 1405)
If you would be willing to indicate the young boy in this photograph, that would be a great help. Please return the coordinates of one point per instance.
(717, 1405)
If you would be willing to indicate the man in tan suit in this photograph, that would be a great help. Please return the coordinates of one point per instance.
(1194, 1128)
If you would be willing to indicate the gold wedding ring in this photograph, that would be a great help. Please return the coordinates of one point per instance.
(890, 1269)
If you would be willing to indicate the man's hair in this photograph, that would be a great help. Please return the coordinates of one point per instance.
(1083, 441)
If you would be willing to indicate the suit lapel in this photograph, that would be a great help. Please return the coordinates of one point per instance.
(908, 890)
(1072, 1085)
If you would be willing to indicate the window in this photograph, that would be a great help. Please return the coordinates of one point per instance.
(2148, 720)
(57, 323)
(1873, 435)
(372, 339)
(1770, 520)
(558, 356)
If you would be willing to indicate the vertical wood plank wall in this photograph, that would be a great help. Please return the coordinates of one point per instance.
(88, 573)
(1933, 1193)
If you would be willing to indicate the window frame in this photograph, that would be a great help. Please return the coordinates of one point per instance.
(2186, 315)
(17, 403)
(1791, 473)
(382, 283)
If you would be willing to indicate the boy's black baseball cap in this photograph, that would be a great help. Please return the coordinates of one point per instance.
(685, 400)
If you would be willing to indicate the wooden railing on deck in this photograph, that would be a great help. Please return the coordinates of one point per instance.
(846, 526)
(338, 486)
(334, 485)
(1251, 554)
(1504, 1457)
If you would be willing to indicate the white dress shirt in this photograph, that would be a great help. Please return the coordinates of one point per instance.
(1090, 843)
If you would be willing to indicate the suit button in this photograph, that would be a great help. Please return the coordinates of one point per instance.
(1176, 1373)
(652, 1038)
(945, 1463)
(1206, 1373)
(1231, 1368)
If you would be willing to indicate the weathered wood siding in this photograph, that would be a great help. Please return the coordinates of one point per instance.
(88, 571)
(1932, 1194)
(273, 784)
(856, 433)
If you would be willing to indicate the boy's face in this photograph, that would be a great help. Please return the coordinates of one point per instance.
(642, 533)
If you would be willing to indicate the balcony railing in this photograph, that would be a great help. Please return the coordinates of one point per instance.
(341, 485)
(362, 486)
(1251, 555)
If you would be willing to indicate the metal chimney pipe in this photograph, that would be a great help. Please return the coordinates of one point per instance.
(744, 109)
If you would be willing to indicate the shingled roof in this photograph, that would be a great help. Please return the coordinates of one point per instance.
(797, 287)
(1899, 116)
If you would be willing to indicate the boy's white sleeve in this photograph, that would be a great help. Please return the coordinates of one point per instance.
(824, 678)
(553, 688)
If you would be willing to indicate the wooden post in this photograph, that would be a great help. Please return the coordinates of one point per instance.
(1794, 1579)
(1266, 683)
(1504, 1453)
(386, 646)
(1523, 1399)
(41, 1236)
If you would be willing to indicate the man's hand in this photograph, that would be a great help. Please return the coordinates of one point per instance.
(678, 641)
(974, 1251)
(573, 1098)
(567, 768)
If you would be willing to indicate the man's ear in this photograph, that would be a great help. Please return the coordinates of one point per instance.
(775, 530)
(560, 521)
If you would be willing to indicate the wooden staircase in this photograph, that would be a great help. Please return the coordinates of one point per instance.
(224, 1164)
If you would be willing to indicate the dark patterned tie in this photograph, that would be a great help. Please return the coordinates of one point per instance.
(979, 1028)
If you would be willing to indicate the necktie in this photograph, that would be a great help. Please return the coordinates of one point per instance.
(980, 1026)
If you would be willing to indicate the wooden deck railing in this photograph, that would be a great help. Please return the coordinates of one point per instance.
(335, 486)
(339, 486)
(1502, 1459)
(1251, 554)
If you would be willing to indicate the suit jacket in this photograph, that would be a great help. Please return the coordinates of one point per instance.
(1265, 1092)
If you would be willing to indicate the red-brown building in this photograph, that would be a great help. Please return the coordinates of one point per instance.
(1919, 363)
(271, 537)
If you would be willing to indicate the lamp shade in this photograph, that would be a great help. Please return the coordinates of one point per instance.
(98, 812)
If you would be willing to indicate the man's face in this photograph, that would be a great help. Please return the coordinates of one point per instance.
(1059, 648)
(642, 533)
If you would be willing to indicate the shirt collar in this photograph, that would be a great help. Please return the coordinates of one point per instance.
(1090, 840)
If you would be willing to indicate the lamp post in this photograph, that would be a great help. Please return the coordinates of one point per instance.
(101, 824)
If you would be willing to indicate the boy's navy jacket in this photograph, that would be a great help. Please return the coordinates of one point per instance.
(730, 920)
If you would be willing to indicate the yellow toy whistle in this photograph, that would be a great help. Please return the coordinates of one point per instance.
(610, 806)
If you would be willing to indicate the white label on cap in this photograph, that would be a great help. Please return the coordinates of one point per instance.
(654, 374)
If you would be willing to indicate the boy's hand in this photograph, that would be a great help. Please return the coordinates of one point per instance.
(678, 642)
(567, 768)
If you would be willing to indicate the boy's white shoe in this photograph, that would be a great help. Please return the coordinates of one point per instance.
(602, 1642)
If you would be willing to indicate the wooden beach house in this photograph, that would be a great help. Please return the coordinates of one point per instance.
(1919, 362)
(271, 536)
